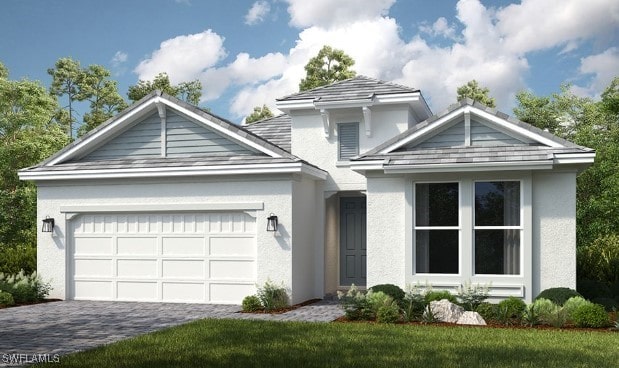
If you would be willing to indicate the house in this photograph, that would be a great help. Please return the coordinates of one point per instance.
(167, 202)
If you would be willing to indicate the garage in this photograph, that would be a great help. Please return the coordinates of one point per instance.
(207, 257)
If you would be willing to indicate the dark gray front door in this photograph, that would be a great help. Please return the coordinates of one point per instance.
(352, 241)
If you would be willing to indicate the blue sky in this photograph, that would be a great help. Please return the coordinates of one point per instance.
(248, 53)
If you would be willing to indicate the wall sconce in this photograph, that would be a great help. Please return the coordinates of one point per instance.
(272, 222)
(48, 225)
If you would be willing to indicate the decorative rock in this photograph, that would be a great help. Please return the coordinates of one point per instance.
(471, 318)
(446, 311)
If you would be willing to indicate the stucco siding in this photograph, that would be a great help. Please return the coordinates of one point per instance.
(554, 234)
(274, 256)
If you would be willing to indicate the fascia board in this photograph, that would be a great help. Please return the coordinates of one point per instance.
(367, 165)
(295, 104)
(343, 104)
(398, 98)
(574, 158)
(469, 167)
(168, 207)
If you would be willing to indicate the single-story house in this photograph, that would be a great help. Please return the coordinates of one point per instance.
(168, 202)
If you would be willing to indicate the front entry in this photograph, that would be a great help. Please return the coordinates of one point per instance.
(352, 241)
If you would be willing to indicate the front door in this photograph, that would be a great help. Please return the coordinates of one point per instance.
(352, 241)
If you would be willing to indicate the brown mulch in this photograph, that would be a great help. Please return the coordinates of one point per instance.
(284, 310)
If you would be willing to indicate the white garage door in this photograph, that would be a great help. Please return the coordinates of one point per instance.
(203, 258)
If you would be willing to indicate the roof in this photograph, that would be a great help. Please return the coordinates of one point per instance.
(357, 88)
(276, 130)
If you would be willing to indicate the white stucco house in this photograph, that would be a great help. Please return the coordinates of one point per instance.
(167, 202)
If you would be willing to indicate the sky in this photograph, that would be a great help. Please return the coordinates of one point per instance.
(248, 53)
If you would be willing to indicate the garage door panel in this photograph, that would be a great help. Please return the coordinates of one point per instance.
(93, 246)
(93, 289)
(137, 246)
(188, 292)
(131, 290)
(137, 268)
(232, 269)
(93, 267)
(232, 246)
(230, 292)
(182, 246)
(183, 269)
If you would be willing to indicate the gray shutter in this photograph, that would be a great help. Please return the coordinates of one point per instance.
(348, 136)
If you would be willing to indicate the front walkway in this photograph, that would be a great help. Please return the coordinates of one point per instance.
(69, 326)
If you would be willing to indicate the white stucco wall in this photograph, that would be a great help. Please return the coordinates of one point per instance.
(554, 234)
(274, 254)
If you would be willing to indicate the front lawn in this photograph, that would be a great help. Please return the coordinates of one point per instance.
(236, 343)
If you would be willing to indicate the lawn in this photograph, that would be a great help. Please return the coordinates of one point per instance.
(235, 343)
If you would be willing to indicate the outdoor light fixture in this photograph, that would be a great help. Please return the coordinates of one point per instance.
(272, 222)
(48, 225)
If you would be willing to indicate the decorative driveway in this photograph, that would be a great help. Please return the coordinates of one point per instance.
(59, 328)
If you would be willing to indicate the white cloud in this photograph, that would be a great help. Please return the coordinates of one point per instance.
(602, 67)
(258, 11)
(183, 57)
(440, 27)
(328, 13)
(119, 58)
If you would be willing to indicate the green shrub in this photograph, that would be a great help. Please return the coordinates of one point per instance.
(558, 295)
(388, 313)
(572, 304)
(544, 308)
(24, 288)
(22, 257)
(251, 303)
(436, 295)
(608, 303)
(488, 311)
(600, 260)
(272, 297)
(591, 315)
(377, 300)
(558, 317)
(531, 315)
(591, 289)
(6, 299)
(511, 310)
(471, 296)
(393, 291)
(355, 304)
(413, 306)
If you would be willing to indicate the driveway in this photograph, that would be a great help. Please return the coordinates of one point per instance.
(69, 326)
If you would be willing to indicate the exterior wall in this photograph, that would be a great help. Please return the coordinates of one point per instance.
(554, 235)
(274, 255)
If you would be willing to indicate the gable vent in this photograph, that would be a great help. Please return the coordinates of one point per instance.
(348, 137)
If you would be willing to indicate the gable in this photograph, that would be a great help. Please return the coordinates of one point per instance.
(181, 137)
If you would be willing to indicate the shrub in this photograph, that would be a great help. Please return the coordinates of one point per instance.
(488, 311)
(600, 260)
(24, 288)
(388, 313)
(6, 299)
(436, 295)
(591, 289)
(591, 315)
(558, 295)
(272, 297)
(572, 304)
(608, 303)
(251, 303)
(471, 296)
(17, 258)
(544, 308)
(376, 300)
(393, 291)
(557, 317)
(531, 316)
(511, 309)
(413, 305)
(355, 304)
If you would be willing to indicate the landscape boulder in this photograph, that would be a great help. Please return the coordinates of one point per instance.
(446, 311)
(471, 318)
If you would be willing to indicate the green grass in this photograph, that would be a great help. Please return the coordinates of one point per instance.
(233, 343)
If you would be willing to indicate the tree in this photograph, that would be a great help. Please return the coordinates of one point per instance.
(66, 76)
(259, 114)
(186, 91)
(330, 65)
(475, 92)
(102, 93)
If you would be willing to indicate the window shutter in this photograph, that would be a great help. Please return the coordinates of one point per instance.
(348, 136)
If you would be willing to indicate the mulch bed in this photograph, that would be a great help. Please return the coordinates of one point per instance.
(284, 310)
(30, 303)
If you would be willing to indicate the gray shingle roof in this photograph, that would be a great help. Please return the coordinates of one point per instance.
(357, 88)
(276, 130)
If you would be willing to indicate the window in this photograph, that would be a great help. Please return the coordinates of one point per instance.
(497, 227)
(437, 228)
(348, 139)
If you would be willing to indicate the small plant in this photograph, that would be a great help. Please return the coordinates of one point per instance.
(388, 313)
(558, 317)
(6, 299)
(251, 303)
(544, 308)
(436, 295)
(531, 316)
(24, 288)
(272, 297)
(428, 316)
(355, 304)
(413, 305)
(558, 295)
(591, 315)
(572, 304)
(393, 291)
(511, 310)
(378, 299)
(472, 296)
(488, 311)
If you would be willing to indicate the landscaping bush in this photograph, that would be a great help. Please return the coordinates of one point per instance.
(24, 288)
(572, 304)
(591, 289)
(511, 309)
(22, 257)
(6, 299)
(272, 297)
(436, 295)
(591, 315)
(487, 311)
(531, 316)
(393, 291)
(355, 304)
(388, 313)
(558, 295)
(251, 303)
(600, 260)
(413, 306)
(544, 308)
(471, 296)
(376, 300)
(557, 317)
(608, 303)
